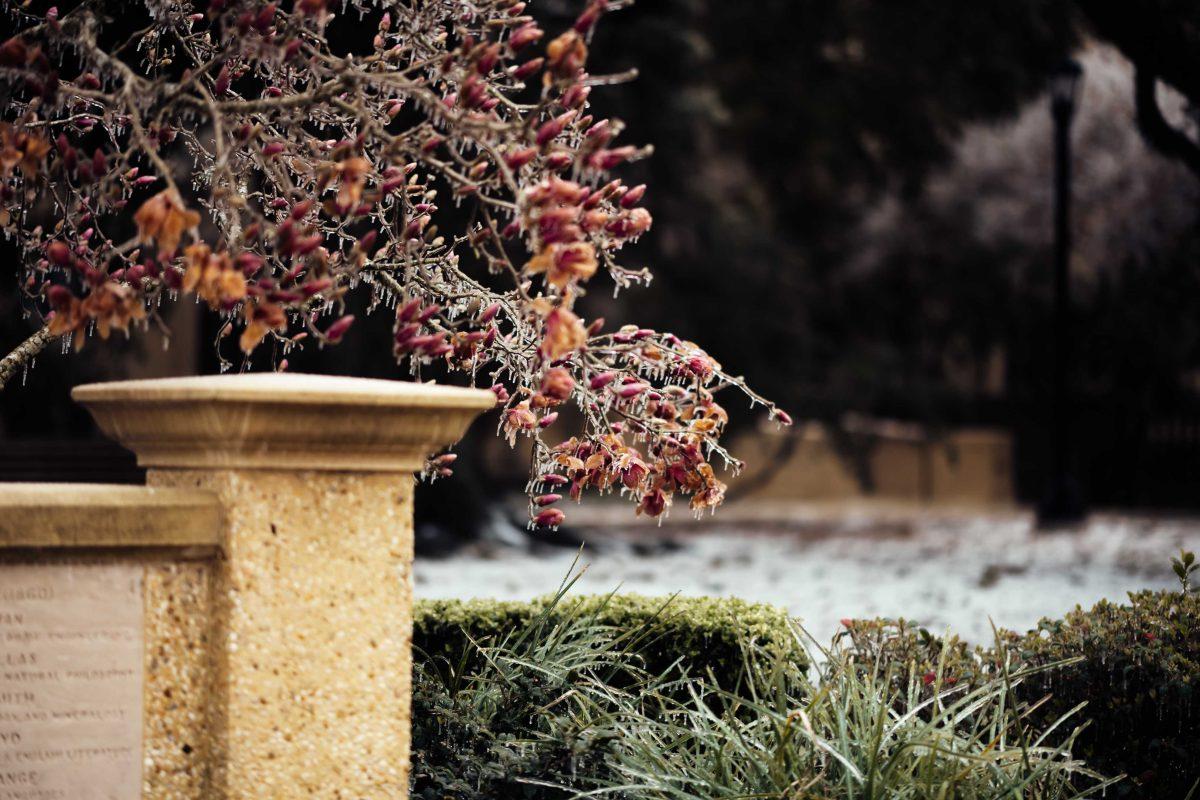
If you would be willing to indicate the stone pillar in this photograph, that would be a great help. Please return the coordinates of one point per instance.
(311, 624)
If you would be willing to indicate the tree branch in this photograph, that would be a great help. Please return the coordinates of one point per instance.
(24, 353)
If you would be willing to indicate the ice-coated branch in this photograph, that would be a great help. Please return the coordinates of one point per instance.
(449, 166)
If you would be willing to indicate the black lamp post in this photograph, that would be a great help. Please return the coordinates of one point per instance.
(1063, 501)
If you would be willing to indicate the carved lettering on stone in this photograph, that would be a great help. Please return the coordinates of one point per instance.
(71, 676)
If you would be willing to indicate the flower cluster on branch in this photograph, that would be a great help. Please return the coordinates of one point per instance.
(228, 150)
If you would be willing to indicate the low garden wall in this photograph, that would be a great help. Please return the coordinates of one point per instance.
(966, 467)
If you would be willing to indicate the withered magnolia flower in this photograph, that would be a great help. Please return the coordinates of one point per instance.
(213, 277)
(261, 318)
(519, 419)
(162, 219)
(566, 55)
(564, 263)
(68, 313)
(109, 305)
(113, 305)
(557, 385)
(564, 334)
(352, 174)
(21, 149)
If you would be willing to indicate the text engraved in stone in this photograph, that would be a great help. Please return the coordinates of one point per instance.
(70, 681)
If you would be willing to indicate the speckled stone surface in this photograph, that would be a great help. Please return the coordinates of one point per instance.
(176, 733)
(311, 647)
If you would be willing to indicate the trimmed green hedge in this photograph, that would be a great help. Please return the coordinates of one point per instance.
(1138, 673)
(702, 634)
(1140, 677)
(527, 701)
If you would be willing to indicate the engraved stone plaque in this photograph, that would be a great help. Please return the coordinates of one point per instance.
(71, 676)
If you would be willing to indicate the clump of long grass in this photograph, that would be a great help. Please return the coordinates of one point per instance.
(852, 727)
(563, 707)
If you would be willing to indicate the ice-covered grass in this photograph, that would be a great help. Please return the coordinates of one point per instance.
(945, 572)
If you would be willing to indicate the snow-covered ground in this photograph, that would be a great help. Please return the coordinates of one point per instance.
(947, 572)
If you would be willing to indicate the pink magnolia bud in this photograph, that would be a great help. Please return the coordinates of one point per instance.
(309, 243)
(546, 499)
(59, 253)
(602, 380)
(520, 158)
(549, 518)
(633, 196)
(548, 420)
(607, 159)
(587, 20)
(600, 133)
(501, 393)
(631, 390)
(409, 310)
(337, 330)
(524, 36)
(489, 313)
(487, 61)
(528, 68)
(424, 342)
(265, 17)
(221, 85)
(248, 263)
(552, 128)
(59, 297)
(576, 96)
(272, 149)
(553, 479)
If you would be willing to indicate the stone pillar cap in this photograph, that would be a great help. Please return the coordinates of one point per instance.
(282, 421)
